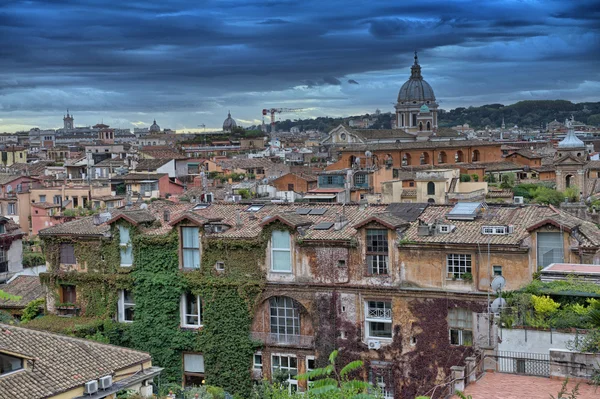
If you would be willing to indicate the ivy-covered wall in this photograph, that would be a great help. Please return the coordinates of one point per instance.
(228, 299)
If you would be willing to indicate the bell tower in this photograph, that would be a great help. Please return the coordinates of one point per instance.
(68, 121)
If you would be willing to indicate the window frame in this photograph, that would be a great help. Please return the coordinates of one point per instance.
(281, 328)
(454, 257)
(121, 307)
(185, 312)
(460, 332)
(292, 382)
(377, 253)
(184, 249)
(372, 317)
(281, 250)
(196, 374)
(255, 364)
(125, 246)
(64, 261)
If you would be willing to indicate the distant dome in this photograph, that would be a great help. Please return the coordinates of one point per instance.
(571, 141)
(424, 108)
(154, 128)
(229, 123)
(416, 88)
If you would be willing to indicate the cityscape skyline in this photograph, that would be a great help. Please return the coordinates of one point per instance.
(183, 65)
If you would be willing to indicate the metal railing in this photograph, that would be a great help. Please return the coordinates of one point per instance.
(299, 341)
(525, 363)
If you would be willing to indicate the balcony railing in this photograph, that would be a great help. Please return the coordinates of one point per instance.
(467, 196)
(298, 341)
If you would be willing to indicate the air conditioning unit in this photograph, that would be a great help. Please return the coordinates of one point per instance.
(518, 200)
(105, 382)
(91, 387)
(374, 344)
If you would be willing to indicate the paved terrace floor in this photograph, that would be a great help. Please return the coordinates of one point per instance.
(510, 386)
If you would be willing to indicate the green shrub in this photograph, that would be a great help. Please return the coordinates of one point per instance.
(465, 178)
(31, 259)
(33, 309)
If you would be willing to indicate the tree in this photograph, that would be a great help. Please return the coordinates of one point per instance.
(547, 196)
(508, 180)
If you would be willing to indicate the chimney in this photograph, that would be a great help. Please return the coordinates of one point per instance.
(238, 219)
(167, 215)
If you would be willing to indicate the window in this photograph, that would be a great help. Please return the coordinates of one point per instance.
(431, 188)
(191, 311)
(497, 270)
(360, 179)
(68, 294)
(458, 264)
(125, 246)
(9, 363)
(12, 208)
(549, 248)
(444, 228)
(494, 230)
(382, 378)
(193, 369)
(3, 259)
(67, 254)
(285, 319)
(281, 254)
(411, 184)
(42, 198)
(220, 266)
(287, 364)
(257, 364)
(378, 320)
(57, 200)
(377, 251)
(190, 247)
(126, 306)
(310, 366)
(290, 187)
(341, 263)
(460, 324)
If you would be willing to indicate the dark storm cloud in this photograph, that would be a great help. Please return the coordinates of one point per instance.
(130, 56)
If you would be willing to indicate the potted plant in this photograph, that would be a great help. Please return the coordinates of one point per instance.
(467, 277)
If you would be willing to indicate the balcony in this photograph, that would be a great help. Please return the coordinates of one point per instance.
(297, 341)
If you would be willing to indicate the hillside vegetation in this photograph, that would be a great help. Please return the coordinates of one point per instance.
(529, 114)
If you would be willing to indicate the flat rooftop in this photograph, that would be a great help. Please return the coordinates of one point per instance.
(572, 267)
(512, 386)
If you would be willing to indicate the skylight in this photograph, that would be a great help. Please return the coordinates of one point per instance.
(254, 208)
(201, 206)
(464, 211)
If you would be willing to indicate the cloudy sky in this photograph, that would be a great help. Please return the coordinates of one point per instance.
(185, 63)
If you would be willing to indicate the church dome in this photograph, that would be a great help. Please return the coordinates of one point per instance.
(416, 88)
(229, 123)
(154, 128)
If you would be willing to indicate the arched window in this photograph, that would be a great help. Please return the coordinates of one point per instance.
(459, 157)
(406, 160)
(428, 126)
(424, 158)
(431, 188)
(285, 318)
(402, 120)
(420, 126)
(476, 156)
(442, 158)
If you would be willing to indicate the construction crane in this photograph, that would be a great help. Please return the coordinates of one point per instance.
(274, 111)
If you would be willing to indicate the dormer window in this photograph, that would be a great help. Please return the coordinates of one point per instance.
(9, 364)
(281, 254)
(190, 247)
(126, 249)
(377, 251)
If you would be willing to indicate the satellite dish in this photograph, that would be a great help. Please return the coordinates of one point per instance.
(498, 283)
(144, 206)
(498, 304)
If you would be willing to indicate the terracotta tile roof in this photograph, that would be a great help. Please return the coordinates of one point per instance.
(528, 153)
(572, 267)
(164, 152)
(469, 232)
(140, 176)
(387, 219)
(524, 219)
(116, 162)
(60, 363)
(84, 227)
(512, 386)
(6, 178)
(29, 288)
(134, 217)
(151, 164)
(108, 198)
(543, 168)
(500, 194)
(289, 218)
(32, 169)
(593, 165)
